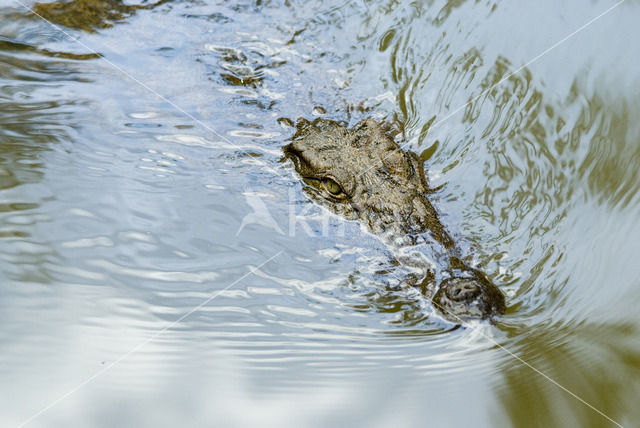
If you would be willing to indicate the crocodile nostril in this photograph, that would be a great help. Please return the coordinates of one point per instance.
(462, 290)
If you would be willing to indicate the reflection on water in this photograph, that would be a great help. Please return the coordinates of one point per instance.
(577, 364)
(88, 15)
(12, 45)
(119, 214)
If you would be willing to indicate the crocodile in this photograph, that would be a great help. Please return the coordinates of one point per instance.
(361, 173)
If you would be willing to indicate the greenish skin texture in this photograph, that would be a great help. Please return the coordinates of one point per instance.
(362, 174)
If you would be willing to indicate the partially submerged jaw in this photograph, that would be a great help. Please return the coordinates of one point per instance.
(463, 298)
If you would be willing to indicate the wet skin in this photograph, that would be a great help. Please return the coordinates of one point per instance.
(362, 174)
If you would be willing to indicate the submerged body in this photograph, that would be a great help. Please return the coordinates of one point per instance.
(362, 174)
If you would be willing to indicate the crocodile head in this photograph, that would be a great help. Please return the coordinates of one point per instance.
(362, 174)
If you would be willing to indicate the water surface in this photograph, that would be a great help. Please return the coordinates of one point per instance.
(140, 179)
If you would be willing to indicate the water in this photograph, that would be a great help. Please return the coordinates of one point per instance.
(140, 183)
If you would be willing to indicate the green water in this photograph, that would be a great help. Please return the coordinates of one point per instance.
(160, 267)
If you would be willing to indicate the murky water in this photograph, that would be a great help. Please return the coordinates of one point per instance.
(160, 267)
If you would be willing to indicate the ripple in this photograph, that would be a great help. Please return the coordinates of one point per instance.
(253, 134)
(239, 91)
(100, 241)
(173, 276)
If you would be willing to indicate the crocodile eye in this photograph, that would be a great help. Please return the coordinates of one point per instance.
(332, 187)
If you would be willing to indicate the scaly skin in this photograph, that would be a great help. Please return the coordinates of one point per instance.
(362, 174)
